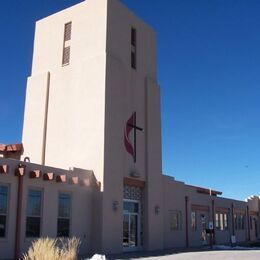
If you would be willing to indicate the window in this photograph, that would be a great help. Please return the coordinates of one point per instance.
(34, 208)
(133, 48)
(66, 44)
(67, 31)
(225, 221)
(193, 220)
(217, 221)
(175, 220)
(221, 221)
(3, 210)
(63, 227)
(239, 220)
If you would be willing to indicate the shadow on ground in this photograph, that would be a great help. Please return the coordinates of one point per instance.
(165, 252)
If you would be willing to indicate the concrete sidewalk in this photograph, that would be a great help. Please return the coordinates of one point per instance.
(194, 253)
(211, 255)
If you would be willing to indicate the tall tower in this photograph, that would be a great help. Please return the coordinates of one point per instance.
(93, 102)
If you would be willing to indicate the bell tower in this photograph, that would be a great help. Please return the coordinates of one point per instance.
(93, 102)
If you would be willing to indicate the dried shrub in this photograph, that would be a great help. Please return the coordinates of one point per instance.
(55, 249)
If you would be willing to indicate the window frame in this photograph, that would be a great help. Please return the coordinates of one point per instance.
(70, 211)
(177, 213)
(41, 190)
(133, 42)
(221, 223)
(193, 227)
(239, 220)
(8, 186)
(66, 50)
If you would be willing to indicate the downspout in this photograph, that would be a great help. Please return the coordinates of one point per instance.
(18, 215)
(187, 221)
(213, 221)
(232, 215)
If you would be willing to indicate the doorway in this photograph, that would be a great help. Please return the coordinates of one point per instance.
(204, 226)
(131, 225)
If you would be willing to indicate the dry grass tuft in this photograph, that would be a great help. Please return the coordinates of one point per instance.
(70, 248)
(54, 249)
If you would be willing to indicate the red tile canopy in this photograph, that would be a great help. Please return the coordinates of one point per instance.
(11, 147)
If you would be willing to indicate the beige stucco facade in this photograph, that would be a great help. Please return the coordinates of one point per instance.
(79, 115)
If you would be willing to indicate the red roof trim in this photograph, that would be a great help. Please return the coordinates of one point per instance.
(11, 147)
(133, 182)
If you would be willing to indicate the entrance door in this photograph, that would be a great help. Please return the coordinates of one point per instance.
(204, 225)
(131, 225)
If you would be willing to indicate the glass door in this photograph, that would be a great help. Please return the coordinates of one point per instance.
(131, 223)
(204, 225)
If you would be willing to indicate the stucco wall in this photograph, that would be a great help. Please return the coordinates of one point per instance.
(128, 91)
(174, 200)
(74, 121)
(82, 198)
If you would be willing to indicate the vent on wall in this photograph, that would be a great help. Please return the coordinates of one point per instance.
(66, 44)
(133, 48)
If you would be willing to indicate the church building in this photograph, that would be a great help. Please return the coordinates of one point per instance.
(90, 164)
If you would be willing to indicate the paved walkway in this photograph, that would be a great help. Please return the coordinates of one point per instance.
(195, 255)
(211, 255)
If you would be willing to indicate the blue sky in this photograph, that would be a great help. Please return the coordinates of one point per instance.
(209, 73)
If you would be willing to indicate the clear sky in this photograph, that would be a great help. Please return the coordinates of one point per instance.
(209, 73)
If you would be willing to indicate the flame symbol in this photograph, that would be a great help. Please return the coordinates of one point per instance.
(128, 128)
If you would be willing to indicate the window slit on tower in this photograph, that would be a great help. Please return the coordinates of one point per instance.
(133, 48)
(66, 44)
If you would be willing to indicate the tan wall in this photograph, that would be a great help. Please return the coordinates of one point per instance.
(74, 120)
(127, 91)
(89, 103)
(82, 111)
(174, 200)
(82, 198)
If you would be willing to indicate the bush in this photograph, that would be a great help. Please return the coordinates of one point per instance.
(54, 249)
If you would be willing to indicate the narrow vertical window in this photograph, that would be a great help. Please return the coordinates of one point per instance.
(217, 221)
(242, 222)
(133, 48)
(225, 221)
(193, 221)
(66, 44)
(235, 221)
(3, 210)
(63, 226)
(33, 217)
(221, 221)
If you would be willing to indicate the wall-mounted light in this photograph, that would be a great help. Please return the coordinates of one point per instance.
(26, 159)
(134, 174)
(157, 209)
(115, 205)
